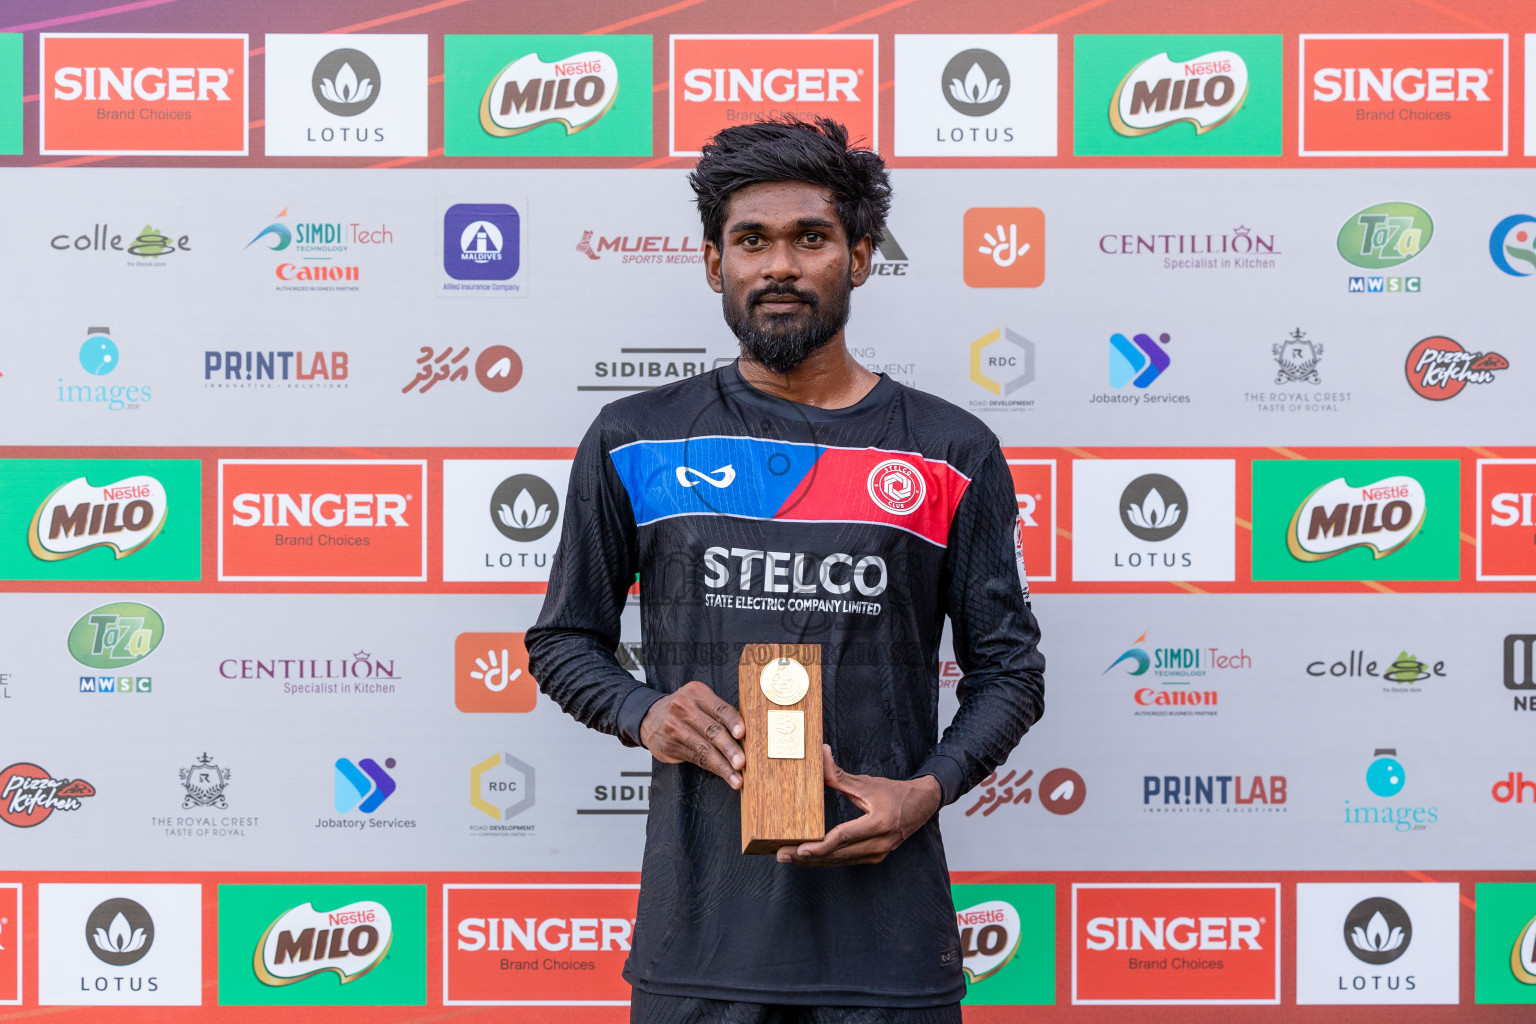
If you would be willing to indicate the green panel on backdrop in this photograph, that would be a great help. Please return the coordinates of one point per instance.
(10, 93)
(1505, 957)
(1008, 943)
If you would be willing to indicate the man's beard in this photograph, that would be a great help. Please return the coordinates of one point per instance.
(775, 339)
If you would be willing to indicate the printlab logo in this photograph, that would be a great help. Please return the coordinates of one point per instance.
(497, 368)
(985, 95)
(244, 370)
(1061, 790)
(1202, 794)
(1152, 507)
(1514, 239)
(1383, 237)
(99, 357)
(1439, 368)
(363, 787)
(365, 99)
(1004, 247)
(29, 794)
(1003, 362)
(203, 783)
(524, 508)
(502, 787)
(119, 932)
(490, 673)
(1377, 931)
(482, 247)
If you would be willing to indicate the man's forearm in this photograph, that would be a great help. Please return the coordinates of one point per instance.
(579, 672)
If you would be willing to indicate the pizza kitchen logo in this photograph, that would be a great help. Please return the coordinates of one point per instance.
(1438, 368)
(30, 794)
(1338, 517)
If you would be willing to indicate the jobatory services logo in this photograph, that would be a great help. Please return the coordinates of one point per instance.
(482, 249)
(29, 794)
(1003, 363)
(360, 788)
(502, 518)
(1506, 519)
(143, 94)
(537, 944)
(1034, 488)
(1148, 519)
(11, 944)
(1512, 245)
(1375, 943)
(100, 519)
(1007, 943)
(718, 81)
(1385, 779)
(1356, 519)
(1138, 360)
(497, 368)
(120, 945)
(1383, 237)
(318, 255)
(526, 95)
(1404, 95)
(363, 99)
(975, 95)
(356, 520)
(1004, 247)
(1438, 368)
(1520, 669)
(322, 945)
(99, 356)
(1504, 967)
(1189, 943)
(1168, 95)
(490, 673)
(1061, 791)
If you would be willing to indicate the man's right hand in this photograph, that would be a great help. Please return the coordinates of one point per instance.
(694, 724)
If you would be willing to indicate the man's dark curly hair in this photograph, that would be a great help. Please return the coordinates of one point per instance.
(788, 149)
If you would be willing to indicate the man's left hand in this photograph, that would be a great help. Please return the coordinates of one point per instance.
(893, 810)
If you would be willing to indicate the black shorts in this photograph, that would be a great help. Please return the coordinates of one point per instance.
(648, 1008)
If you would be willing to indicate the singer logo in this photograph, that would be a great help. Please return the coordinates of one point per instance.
(10, 944)
(1506, 519)
(352, 520)
(718, 81)
(490, 673)
(1175, 943)
(1385, 95)
(1004, 247)
(548, 944)
(173, 95)
(1338, 516)
(1034, 487)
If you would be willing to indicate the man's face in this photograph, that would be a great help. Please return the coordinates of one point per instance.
(785, 271)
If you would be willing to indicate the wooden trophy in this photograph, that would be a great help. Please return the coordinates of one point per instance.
(782, 795)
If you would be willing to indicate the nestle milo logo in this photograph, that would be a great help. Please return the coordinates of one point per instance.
(116, 635)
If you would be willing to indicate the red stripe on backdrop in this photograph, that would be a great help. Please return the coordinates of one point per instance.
(71, 19)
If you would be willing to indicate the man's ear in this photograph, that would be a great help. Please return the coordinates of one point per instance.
(712, 266)
(860, 259)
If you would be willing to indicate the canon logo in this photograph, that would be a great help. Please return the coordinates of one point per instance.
(1178, 933)
(552, 934)
(780, 85)
(785, 572)
(171, 84)
(1403, 85)
(320, 510)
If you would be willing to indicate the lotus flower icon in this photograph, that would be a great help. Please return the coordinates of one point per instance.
(1154, 513)
(346, 88)
(1376, 936)
(977, 87)
(524, 513)
(119, 937)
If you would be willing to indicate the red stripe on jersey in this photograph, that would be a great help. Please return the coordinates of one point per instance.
(867, 485)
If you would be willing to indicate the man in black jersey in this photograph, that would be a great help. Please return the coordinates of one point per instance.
(794, 497)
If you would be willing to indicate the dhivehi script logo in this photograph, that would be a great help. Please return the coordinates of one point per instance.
(124, 516)
(529, 92)
(1159, 92)
(349, 941)
(989, 937)
(1338, 517)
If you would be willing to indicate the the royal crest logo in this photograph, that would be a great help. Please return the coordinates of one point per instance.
(1159, 92)
(79, 516)
(1439, 368)
(1339, 517)
(349, 941)
(1297, 357)
(204, 782)
(530, 92)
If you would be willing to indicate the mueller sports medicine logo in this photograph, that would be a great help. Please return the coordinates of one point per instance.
(349, 942)
(1338, 517)
(642, 249)
(344, 520)
(718, 81)
(174, 95)
(1404, 95)
(1147, 944)
(123, 516)
(1203, 91)
(1439, 368)
(1506, 519)
(529, 92)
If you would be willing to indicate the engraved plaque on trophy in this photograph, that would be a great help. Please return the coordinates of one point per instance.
(782, 794)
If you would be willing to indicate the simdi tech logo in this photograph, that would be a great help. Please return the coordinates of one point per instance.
(1404, 95)
(547, 95)
(545, 944)
(1147, 944)
(357, 520)
(1007, 943)
(718, 81)
(1356, 519)
(1506, 519)
(360, 97)
(145, 94)
(322, 945)
(976, 95)
(1189, 95)
(1504, 966)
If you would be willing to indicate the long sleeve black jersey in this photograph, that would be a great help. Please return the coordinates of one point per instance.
(753, 519)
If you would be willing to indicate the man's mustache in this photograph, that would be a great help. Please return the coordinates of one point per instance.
(782, 289)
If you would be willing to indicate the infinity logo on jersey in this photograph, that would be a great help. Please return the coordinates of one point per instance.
(301, 519)
(171, 95)
(1196, 943)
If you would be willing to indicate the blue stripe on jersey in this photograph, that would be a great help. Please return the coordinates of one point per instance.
(734, 476)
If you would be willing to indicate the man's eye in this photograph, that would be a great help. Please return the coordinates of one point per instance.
(813, 236)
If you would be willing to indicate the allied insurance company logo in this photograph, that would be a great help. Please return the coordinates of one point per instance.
(718, 81)
(1383, 237)
(482, 244)
(115, 637)
(1004, 247)
(1176, 943)
(1506, 519)
(172, 95)
(1403, 95)
(1438, 368)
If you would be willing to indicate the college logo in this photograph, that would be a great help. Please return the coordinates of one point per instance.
(984, 95)
(147, 246)
(482, 245)
(119, 945)
(1137, 519)
(1176, 95)
(502, 517)
(167, 95)
(547, 95)
(368, 98)
(344, 520)
(1506, 520)
(1377, 943)
(1007, 943)
(1505, 926)
(718, 81)
(490, 673)
(1034, 488)
(1004, 247)
(29, 794)
(1403, 671)
(322, 945)
(10, 935)
(1402, 95)
(1178, 943)
(1439, 368)
(560, 944)
(1387, 519)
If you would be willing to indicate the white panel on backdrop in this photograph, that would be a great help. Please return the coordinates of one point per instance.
(501, 518)
(1378, 942)
(120, 945)
(355, 95)
(975, 95)
(1154, 519)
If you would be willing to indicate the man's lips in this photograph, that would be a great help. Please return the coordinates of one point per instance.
(781, 303)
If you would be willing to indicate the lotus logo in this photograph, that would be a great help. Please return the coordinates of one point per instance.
(722, 477)
(119, 932)
(1152, 513)
(1377, 931)
(975, 82)
(977, 87)
(346, 82)
(522, 515)
(524, 508)
(117, 939)
(1338, 517)
(1153, 507)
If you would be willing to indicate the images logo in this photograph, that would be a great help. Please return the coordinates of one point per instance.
(490, 673)
(98, 355)
(29, 794)
(1007, 943)
(368, 98)
(501, 787)
(1339, 517)
(481, 242)
(1385, 778)
(171, 95)
(1402, 95)
(123, 516)
(1385, 235)
(363, 787)
(1004, 247)
(1506, 519)
(1514, 238)
(1140, 363)
(1439, 368)
(976, 95)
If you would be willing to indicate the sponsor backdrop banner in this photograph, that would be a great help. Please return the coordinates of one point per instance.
(308, 306)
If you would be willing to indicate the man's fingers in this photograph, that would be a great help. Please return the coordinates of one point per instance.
(843, 782)
(868, 851)
(704, 754)
(704, 721)
(848, 833)
(682, 741)
(728, 717)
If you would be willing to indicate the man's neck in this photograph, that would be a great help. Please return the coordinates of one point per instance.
(830, 378)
